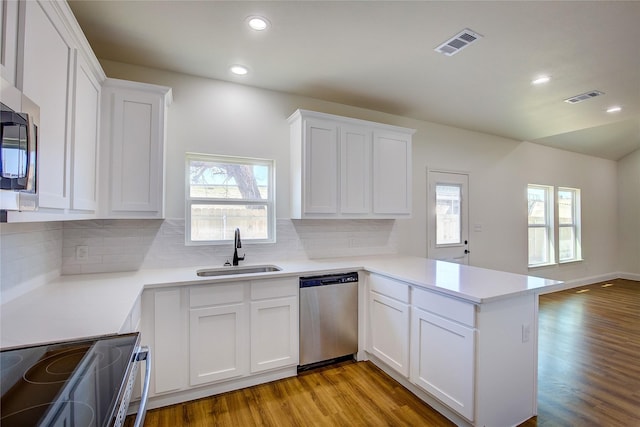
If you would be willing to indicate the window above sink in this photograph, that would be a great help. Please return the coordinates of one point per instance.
(224, 193)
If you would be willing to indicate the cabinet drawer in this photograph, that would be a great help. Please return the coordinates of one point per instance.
(444, 306)
(389, 287)
(202, 296)
(274, 288)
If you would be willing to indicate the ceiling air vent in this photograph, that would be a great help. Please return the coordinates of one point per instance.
(583, 96)
(458, 42)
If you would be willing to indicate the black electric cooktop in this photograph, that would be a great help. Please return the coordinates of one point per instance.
(74, 384)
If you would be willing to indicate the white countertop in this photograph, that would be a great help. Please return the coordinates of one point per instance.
(78, 306)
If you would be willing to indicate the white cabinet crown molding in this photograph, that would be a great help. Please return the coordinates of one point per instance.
(165, 91)
(348, 120)
(79, 39)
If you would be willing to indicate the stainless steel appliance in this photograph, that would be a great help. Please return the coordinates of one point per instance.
(328, 318)
(72, 384)
(18, 157)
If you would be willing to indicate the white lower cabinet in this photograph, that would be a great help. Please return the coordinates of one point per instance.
(388, 326)
(218, 332)
(163, 330)
(443, 349)
(442, 360)
(425, 337)
(214, 334)
(216, 338)
(274, 324)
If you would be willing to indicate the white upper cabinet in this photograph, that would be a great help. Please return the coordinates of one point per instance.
(86, 137)
(56, 68)
(321, 171)
(9, 41)
(391, 173)
(132, 159)
(47, 80)
(348, 168)
(355, 169)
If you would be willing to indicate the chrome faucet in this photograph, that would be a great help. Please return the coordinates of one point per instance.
(237, 243)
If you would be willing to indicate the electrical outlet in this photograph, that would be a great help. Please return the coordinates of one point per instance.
(526, 332)
(82, 253)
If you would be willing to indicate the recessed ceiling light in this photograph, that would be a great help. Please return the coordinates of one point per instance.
(239, 70)
(541, 80)
(258, 23)
(614, 109)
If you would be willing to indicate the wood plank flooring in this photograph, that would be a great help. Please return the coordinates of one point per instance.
(589, 356)
(589, 375)
(347, 394)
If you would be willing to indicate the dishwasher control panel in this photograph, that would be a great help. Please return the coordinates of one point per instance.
(328, 279)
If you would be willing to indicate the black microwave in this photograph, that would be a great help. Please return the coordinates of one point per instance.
(19, 157)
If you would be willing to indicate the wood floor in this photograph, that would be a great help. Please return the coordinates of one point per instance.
(589, 375)
(589, 356)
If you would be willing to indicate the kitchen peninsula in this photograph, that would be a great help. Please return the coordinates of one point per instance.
(464, 339)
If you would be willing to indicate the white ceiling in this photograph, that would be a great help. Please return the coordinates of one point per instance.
(380, 55)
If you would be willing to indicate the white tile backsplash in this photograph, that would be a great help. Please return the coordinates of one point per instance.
(30, 256)
(125, 245)
(36, 253)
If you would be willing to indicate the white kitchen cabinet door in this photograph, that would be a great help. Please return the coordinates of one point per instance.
(217, 343)
(389, 331)
(274, 333)
(320, 167)
(391, 173)
(355, 170)
(46, 79)
(442, 360)
(133, 121)
(85, 138)
(348, 168)
(9, 41)
(169, 352)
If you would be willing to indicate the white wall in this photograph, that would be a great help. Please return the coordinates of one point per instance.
(629, 213)
(218, 117)
(500, 170)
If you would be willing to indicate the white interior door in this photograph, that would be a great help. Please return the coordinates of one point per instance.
(448, 216)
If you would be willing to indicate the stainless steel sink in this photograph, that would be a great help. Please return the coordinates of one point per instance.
(232, 271)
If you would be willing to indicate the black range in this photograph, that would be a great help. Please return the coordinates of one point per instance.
(76, 383)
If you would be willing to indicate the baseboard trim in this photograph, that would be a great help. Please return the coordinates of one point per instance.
(576, 283)
(630, 276)
(213, 389)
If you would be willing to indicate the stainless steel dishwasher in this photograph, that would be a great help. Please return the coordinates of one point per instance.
(328, 318)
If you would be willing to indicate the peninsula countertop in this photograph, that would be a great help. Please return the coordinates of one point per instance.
(78, 306)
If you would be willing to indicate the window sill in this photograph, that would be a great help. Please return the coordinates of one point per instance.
(537, 266)
(571, 261)
(555, 264)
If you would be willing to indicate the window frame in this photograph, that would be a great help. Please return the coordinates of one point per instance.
(459, 215)
(575, 224)
(548, 226)
(269, 202)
